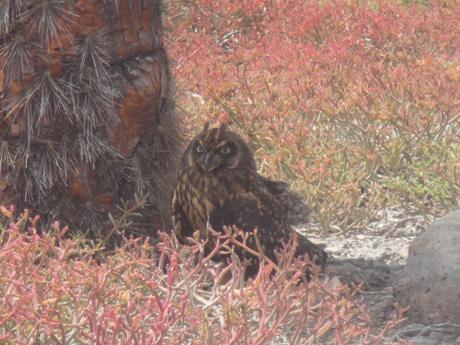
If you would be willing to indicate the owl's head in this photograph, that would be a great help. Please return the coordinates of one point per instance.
(218, 149)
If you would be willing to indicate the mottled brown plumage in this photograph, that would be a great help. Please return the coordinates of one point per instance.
(218, 185)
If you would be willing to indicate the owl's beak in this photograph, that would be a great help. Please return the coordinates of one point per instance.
(209, 163)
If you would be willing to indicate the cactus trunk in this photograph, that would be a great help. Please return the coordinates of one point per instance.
(87, 122)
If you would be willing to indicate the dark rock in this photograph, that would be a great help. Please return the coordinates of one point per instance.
(430, 282)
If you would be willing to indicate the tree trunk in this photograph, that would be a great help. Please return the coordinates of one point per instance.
(88, 125)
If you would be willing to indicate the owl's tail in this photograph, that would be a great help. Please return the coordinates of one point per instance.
(315, 252)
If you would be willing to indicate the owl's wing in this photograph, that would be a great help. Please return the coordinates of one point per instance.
(259, 208)
(181, 226)
(295, 208)
(247, 213)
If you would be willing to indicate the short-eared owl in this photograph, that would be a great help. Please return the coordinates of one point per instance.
(218, 185)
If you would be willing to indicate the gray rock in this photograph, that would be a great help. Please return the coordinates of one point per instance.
(430, 282)
(440, 334)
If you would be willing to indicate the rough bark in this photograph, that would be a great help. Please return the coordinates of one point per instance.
(87, 112)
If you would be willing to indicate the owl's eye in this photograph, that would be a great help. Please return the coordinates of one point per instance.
(199, 148)
(225, 149)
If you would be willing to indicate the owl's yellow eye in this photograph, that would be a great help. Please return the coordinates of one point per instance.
(225, 149)
(199, 148)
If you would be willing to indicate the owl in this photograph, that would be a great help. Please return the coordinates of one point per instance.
(218, 185)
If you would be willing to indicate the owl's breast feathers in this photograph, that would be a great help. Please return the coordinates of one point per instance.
(221, 200)
(199, 196)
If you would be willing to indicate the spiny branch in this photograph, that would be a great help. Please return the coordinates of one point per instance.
(48, 20)
(94, 58)
(17, 54)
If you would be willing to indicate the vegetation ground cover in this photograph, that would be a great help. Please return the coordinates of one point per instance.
(355, 103)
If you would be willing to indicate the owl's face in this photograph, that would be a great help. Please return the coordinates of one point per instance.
(217, 149)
